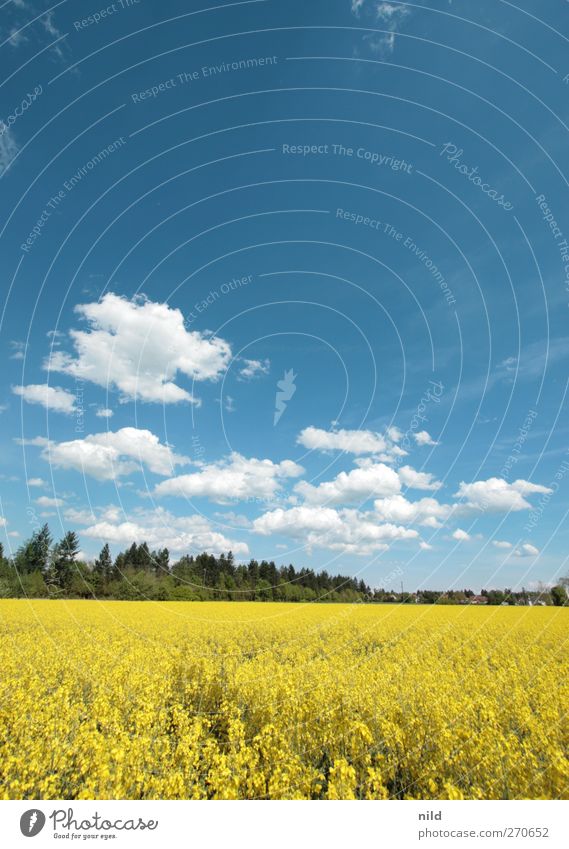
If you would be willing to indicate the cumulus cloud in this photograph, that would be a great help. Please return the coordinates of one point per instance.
(461, 536)
(394, 434)
(424, 438)
(45, 501)
(346, 531)
(497, 543)
(161, 529)
(233, 478)
(36, 482)
(254, 368)
(111, 455)
(236, 520)
(79, 517)
(418, 480)
(526, 550)
(353, 442)
(497, 495)
(51, 397)
(370, 479)
(104, 413)
(139, 347)
(426, 511)
(352, 487)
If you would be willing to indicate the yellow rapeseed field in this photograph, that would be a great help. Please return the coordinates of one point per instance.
(236, 700)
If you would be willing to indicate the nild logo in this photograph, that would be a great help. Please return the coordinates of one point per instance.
(32, 822)
(286, 388)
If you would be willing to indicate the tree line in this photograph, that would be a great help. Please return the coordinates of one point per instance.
(42, 568)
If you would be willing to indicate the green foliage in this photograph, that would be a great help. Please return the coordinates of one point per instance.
(559, 596)
(103, 565)
(41, 569)
(63, 561)
(33, 555)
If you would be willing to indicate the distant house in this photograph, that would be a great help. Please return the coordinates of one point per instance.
(478, 599)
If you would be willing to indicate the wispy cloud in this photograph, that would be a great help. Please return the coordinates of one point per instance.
(8, 149)
(254, 368)
(526, 550)
(18, 349)
(388, 17)
(17, 37)
(38, 25)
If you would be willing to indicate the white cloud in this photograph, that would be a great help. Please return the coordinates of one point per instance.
(390, 11)
(16, 37)
(497, 543)
(418, 480)
(236, 520)
(352, 487)
(139, 347)
(111, 455)
(49, 26)
(426, 511)
(424, 438)
(526, 550)
(229, 404)
(389, 16)
(36, 482)
(104, 413)
(254, 368)
(44, 501)
(18, 349)
(235, 477)
(346, 531)
(498, 495)
(13, 534)
(79, 517)
(55, 336)
(3, 522)
(368, 480)
(91, 515)
(51, 397)
(352, 441)
(461, 536)
(424, 546)
(8, 148)
(161, 529)
(46, 21)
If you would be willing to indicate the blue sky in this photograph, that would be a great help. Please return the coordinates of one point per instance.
(289, 279)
